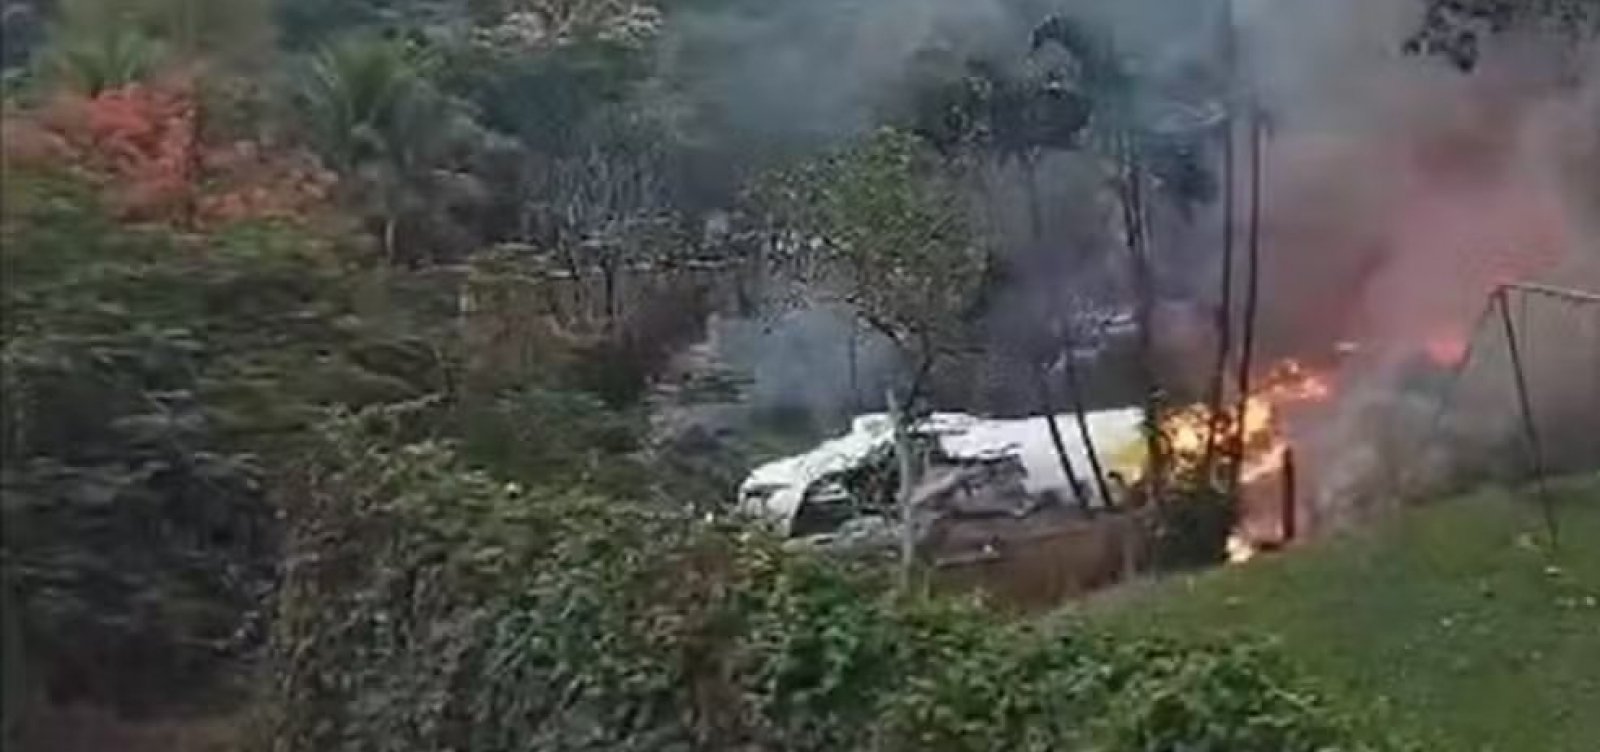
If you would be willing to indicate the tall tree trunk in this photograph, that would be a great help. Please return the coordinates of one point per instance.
(920, 377)
(581, 314)
(1030, 171)
(1252, 291)
(854, 355)
(1057, 440)
(389, 232)
(907, 467)
(194, 160)
(608, 272)
(1041, 383)
(1217, 396)
(1075, 393)
(1290, 501)
(1133, 212)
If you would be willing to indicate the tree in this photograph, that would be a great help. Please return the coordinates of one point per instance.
(540, 24)
(606, 205)
(1457, 29)
(306, 25)
(147, 379)
(540, 70)
(376, 119)
(1151, 146)
(884, 227)
(1076, 93)
(143, 145)
(105, 44)
(985, 112)
(104, 61)
(22, 27)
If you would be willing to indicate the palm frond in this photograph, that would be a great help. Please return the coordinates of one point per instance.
(93, 63)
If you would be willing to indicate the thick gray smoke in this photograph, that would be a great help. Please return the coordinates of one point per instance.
(1400, 194)
(794, 76)
(816, 361)
(809, 72)
(1398, 191)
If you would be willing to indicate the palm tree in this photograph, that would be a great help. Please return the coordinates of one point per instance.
(356, 93)
(96, 61)
(106, 44)
(377, 120)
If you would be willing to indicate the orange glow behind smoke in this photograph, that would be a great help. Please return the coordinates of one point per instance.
(1446, 349)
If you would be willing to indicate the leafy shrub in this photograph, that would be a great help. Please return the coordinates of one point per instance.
(549, 436)
(108, 60)
(430, 606)
(1193, 525)
(150, 384)
(155, 384)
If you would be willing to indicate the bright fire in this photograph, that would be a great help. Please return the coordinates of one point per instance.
(1288, 384)
(1240, 550)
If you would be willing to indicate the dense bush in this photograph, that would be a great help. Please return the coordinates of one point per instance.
(1192, 526)
(150, 383)
(156, 386)
(429, 606)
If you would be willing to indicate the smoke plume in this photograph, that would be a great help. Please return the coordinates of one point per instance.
(1399, 192)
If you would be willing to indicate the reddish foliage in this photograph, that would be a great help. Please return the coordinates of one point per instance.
(244, 181)
(143, 143)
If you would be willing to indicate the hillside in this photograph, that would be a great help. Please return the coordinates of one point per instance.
(382, 374)
(1469, 632)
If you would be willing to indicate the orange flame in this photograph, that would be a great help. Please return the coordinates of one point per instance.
(1287, 385)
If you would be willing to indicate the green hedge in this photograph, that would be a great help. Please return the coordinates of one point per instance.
(429, 607)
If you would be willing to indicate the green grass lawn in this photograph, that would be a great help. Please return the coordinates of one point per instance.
(1455, 620)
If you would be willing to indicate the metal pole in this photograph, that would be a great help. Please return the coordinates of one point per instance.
(1529, 424)
(1457, 373)
(1577, 296)
(1594, 392)
(1290, 492)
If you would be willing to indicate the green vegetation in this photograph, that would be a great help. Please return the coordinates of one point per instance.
(447, 580)
(332, 340)
(431, 607)
(1457, 30)
(1456, 618)
(156, 387)
(899, 250)
(149, 387)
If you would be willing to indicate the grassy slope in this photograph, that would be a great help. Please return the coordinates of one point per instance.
(1467, 632)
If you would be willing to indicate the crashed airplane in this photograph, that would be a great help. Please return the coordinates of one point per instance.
(973, 466)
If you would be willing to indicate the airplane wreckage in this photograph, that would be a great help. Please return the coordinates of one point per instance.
(983, 479)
